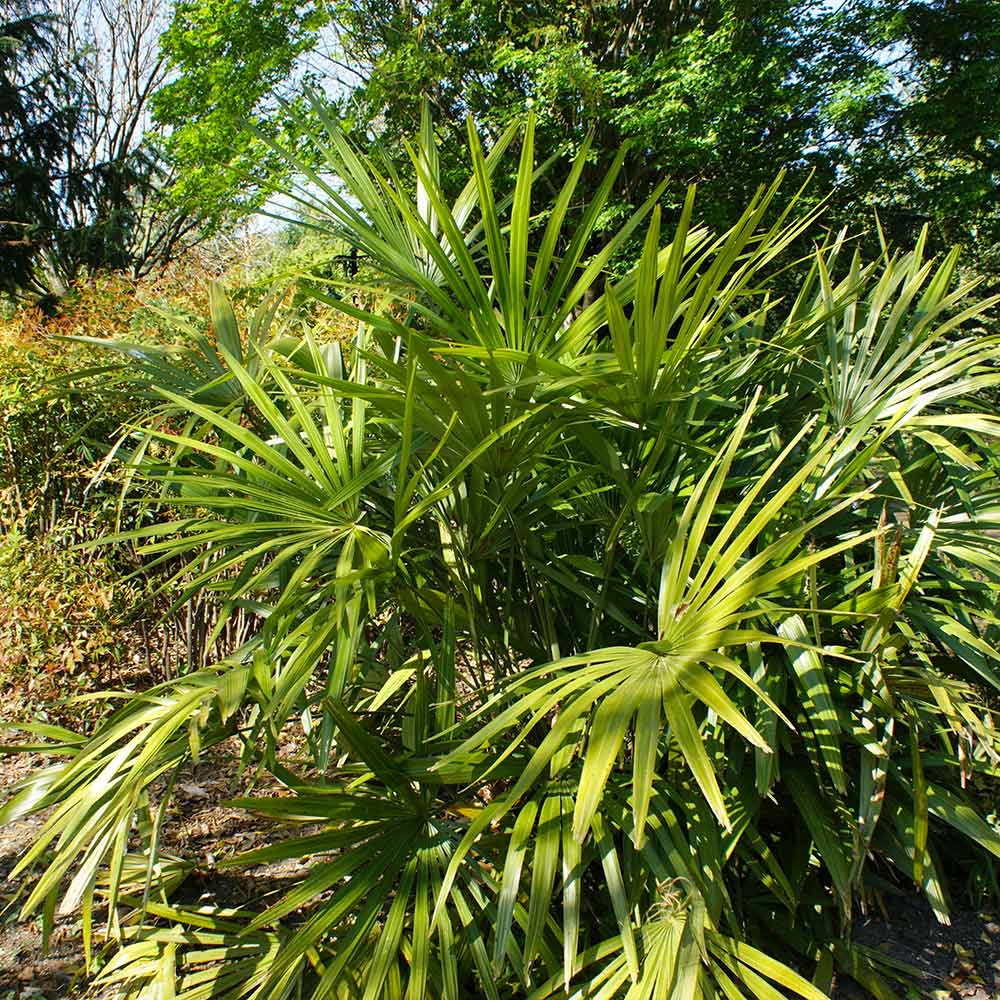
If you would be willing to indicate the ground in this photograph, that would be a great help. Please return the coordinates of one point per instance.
(962, 960)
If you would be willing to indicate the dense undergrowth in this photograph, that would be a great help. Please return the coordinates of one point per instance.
(637, 641)
(74, 619)
(62, 611)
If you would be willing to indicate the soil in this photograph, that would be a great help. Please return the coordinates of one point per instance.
(957, 961)
(24, 970)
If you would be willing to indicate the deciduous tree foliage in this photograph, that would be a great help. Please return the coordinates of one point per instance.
(237, 63)
(633, 644)
(935, 150)
(875, 97)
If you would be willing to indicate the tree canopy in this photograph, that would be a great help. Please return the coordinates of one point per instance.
(886, 104)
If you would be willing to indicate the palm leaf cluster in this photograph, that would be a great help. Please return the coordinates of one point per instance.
(637, 641)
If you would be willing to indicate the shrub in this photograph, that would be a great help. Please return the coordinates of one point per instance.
(61, 616)
(635, 640)
(46, 447)
(66, 622)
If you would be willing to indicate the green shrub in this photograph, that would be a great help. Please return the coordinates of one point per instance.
(634, 640)
(47, 449)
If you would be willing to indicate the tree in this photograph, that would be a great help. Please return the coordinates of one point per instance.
(721, 92)
(932, 152)
(699, 89)
(33, 124)
(90, 195)
(237, 64)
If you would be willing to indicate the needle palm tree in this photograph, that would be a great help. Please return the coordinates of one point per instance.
(636, 641)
